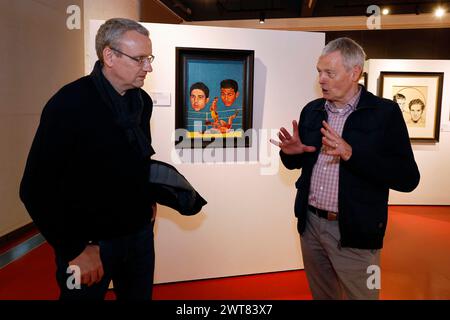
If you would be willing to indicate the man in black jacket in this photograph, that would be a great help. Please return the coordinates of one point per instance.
(86, 180)
(352, 148)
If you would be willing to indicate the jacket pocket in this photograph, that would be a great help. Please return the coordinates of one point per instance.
(366, 214)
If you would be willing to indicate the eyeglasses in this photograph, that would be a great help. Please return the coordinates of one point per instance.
(139, 60)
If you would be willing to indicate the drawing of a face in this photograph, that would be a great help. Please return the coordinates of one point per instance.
(401, 102)
(416, 112)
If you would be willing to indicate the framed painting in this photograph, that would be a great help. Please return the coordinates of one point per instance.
(419, 97)
(214, 97)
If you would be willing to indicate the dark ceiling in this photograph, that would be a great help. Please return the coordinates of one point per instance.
(203, 10)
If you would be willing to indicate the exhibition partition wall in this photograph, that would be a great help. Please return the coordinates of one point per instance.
(248, 225)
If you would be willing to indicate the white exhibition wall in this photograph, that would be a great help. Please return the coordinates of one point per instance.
(433, 159)
(248, 226)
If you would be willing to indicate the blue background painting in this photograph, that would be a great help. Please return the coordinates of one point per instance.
(211, 73)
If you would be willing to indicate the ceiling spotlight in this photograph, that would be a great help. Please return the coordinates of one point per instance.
(439, 12)
(385, 11)
(262, 17)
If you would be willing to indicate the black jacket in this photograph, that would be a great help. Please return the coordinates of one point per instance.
(170, 188)
(83, 179)
(382, 159)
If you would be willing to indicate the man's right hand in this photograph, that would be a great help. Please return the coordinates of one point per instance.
(90, 265)
(291, 144)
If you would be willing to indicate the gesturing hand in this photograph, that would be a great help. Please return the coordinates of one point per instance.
(291, 144)
(334, 144)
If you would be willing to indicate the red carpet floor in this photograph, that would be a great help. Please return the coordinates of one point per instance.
(415, 264)
(32, 278)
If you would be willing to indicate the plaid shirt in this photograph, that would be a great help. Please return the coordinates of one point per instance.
(323, 192)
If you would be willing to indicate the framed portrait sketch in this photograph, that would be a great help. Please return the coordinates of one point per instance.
(419, 96)
(214, 97)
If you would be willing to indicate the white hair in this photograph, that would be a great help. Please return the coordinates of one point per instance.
(352, 53)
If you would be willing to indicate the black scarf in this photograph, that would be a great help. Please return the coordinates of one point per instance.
(126, 110)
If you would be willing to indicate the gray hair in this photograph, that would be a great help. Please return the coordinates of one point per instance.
(352, 53)
(111, 32)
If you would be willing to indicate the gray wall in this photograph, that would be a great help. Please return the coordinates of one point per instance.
(38, 54)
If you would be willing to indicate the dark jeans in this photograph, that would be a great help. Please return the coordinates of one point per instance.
(128, 261)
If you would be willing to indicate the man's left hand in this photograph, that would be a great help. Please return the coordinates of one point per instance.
(334, 144)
